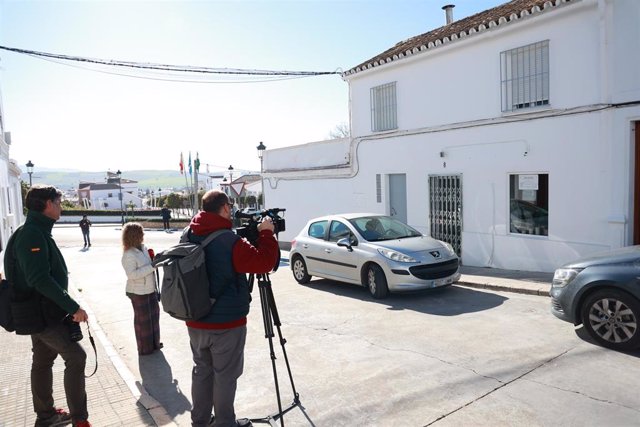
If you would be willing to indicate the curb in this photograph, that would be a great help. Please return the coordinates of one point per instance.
(526, 291)
(157, 412)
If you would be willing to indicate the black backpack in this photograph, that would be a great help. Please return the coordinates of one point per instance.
(20, 312)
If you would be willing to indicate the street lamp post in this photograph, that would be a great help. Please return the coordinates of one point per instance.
(120, 188)
(230, 169)
(261, 149)
(29, 170)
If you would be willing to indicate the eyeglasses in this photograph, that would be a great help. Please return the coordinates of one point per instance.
(230, 205)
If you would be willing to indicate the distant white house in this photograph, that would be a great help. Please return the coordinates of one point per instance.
(106, 196)
(513, 134)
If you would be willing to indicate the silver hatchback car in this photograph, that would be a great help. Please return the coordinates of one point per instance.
(372, 250)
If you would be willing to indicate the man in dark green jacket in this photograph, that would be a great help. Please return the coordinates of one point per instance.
(39, 266)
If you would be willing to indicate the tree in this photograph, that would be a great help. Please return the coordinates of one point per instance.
(24, 187)
(174, 201)
(340, 131)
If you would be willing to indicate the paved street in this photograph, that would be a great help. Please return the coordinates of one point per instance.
(456, 356)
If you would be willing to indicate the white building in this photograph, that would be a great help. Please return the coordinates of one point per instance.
(10, 188)
(106, 196)
(513, 134)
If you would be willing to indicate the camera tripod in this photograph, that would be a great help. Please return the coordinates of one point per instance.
(270, 318)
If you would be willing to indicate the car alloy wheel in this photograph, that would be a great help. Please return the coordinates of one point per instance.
(611, 318)
(377, 282)
(300, 270)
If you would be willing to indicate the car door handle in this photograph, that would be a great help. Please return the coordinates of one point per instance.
(305, 246)
(328, 251)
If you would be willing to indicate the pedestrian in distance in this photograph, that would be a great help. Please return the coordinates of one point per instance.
(166, 217)
(85, 225)
(218, 338)
(141, 289)
(38, 272)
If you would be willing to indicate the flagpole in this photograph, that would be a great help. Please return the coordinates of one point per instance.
(186, 183)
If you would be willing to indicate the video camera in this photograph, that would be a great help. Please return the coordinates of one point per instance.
(249, 230)
(250, 221)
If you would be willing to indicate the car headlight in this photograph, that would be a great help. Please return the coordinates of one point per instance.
(563, 276)
(396, 256)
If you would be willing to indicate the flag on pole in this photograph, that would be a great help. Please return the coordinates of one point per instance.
(196, 162)
(190, 168)
(181, 164)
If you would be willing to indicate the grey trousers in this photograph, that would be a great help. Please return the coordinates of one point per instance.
(46, 346)
(218, 361)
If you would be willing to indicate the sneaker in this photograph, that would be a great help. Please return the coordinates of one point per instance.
(60, 418)
(83, 423)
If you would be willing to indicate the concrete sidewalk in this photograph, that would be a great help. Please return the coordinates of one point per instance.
(116, 398)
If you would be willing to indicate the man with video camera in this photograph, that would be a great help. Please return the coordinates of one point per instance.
(42, 308)
(218, 339)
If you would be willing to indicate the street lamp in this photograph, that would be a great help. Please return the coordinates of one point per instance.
(230, 169)
(29, 170)
(120, 188)
(261, 149)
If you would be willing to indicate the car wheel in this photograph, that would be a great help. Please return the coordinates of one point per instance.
(300, 270)
(376, 282)
(611, 318)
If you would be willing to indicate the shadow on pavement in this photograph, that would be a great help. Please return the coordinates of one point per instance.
(448, 301)
(157, 379)
(582, 333)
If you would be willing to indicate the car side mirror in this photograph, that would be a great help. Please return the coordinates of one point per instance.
(345, 243)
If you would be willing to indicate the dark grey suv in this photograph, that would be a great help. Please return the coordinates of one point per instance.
(602, 292)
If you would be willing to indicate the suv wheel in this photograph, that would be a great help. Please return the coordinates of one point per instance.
(611, 318)
(300, 270)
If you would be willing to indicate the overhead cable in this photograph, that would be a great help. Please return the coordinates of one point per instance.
(189, 70)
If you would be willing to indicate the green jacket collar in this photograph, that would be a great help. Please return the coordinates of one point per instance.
(40, 220)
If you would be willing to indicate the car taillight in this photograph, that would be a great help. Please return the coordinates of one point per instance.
(293, 243)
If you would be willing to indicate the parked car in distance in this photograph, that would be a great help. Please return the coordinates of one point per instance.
(372, 250)
(602, 292)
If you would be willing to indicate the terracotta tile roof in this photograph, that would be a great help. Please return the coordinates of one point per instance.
(500, 15)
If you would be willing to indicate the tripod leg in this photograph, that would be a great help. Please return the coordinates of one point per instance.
(283, 341)
(263, 281)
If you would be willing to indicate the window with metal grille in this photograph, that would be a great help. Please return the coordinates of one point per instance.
(524, 73)
(384, 114)
(378, 188)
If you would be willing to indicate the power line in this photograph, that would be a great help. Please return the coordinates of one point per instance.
(193, 73)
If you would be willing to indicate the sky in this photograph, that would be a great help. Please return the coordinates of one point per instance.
(71, 116)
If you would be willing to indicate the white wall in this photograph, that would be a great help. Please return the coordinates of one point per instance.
(460, 81)
(449, 101)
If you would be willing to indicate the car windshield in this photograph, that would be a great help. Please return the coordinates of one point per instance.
(378, 228)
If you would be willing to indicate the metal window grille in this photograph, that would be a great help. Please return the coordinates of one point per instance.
(524, 75)
(445, 209)
(378, 188)
(384, 107)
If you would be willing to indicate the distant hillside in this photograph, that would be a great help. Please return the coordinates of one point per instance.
(66, 180)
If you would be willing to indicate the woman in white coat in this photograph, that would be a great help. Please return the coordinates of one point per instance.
(141, 289)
